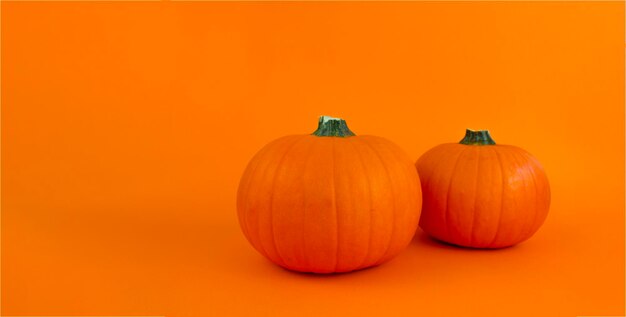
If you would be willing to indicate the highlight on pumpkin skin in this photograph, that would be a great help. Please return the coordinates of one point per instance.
(481, 195)
(330, 201)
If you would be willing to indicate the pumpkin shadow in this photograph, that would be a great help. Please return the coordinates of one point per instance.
(421, 238)
(334, 275)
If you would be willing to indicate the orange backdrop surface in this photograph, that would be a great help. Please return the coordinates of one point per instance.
(126, 127)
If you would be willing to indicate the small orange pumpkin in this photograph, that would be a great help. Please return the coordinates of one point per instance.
(482, 195)
(330, 201)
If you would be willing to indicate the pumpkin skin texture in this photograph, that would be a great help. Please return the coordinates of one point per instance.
(327, 204)
(482, 195)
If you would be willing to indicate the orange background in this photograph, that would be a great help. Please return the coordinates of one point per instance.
(126, 127)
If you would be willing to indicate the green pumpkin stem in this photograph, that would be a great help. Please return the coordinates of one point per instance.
(477, 137)
(329, 126)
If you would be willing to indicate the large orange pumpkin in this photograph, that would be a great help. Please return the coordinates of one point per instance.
(330, 201)
(482, 195)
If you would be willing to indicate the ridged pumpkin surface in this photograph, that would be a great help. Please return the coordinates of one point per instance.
(329, 204)
(482, 196)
